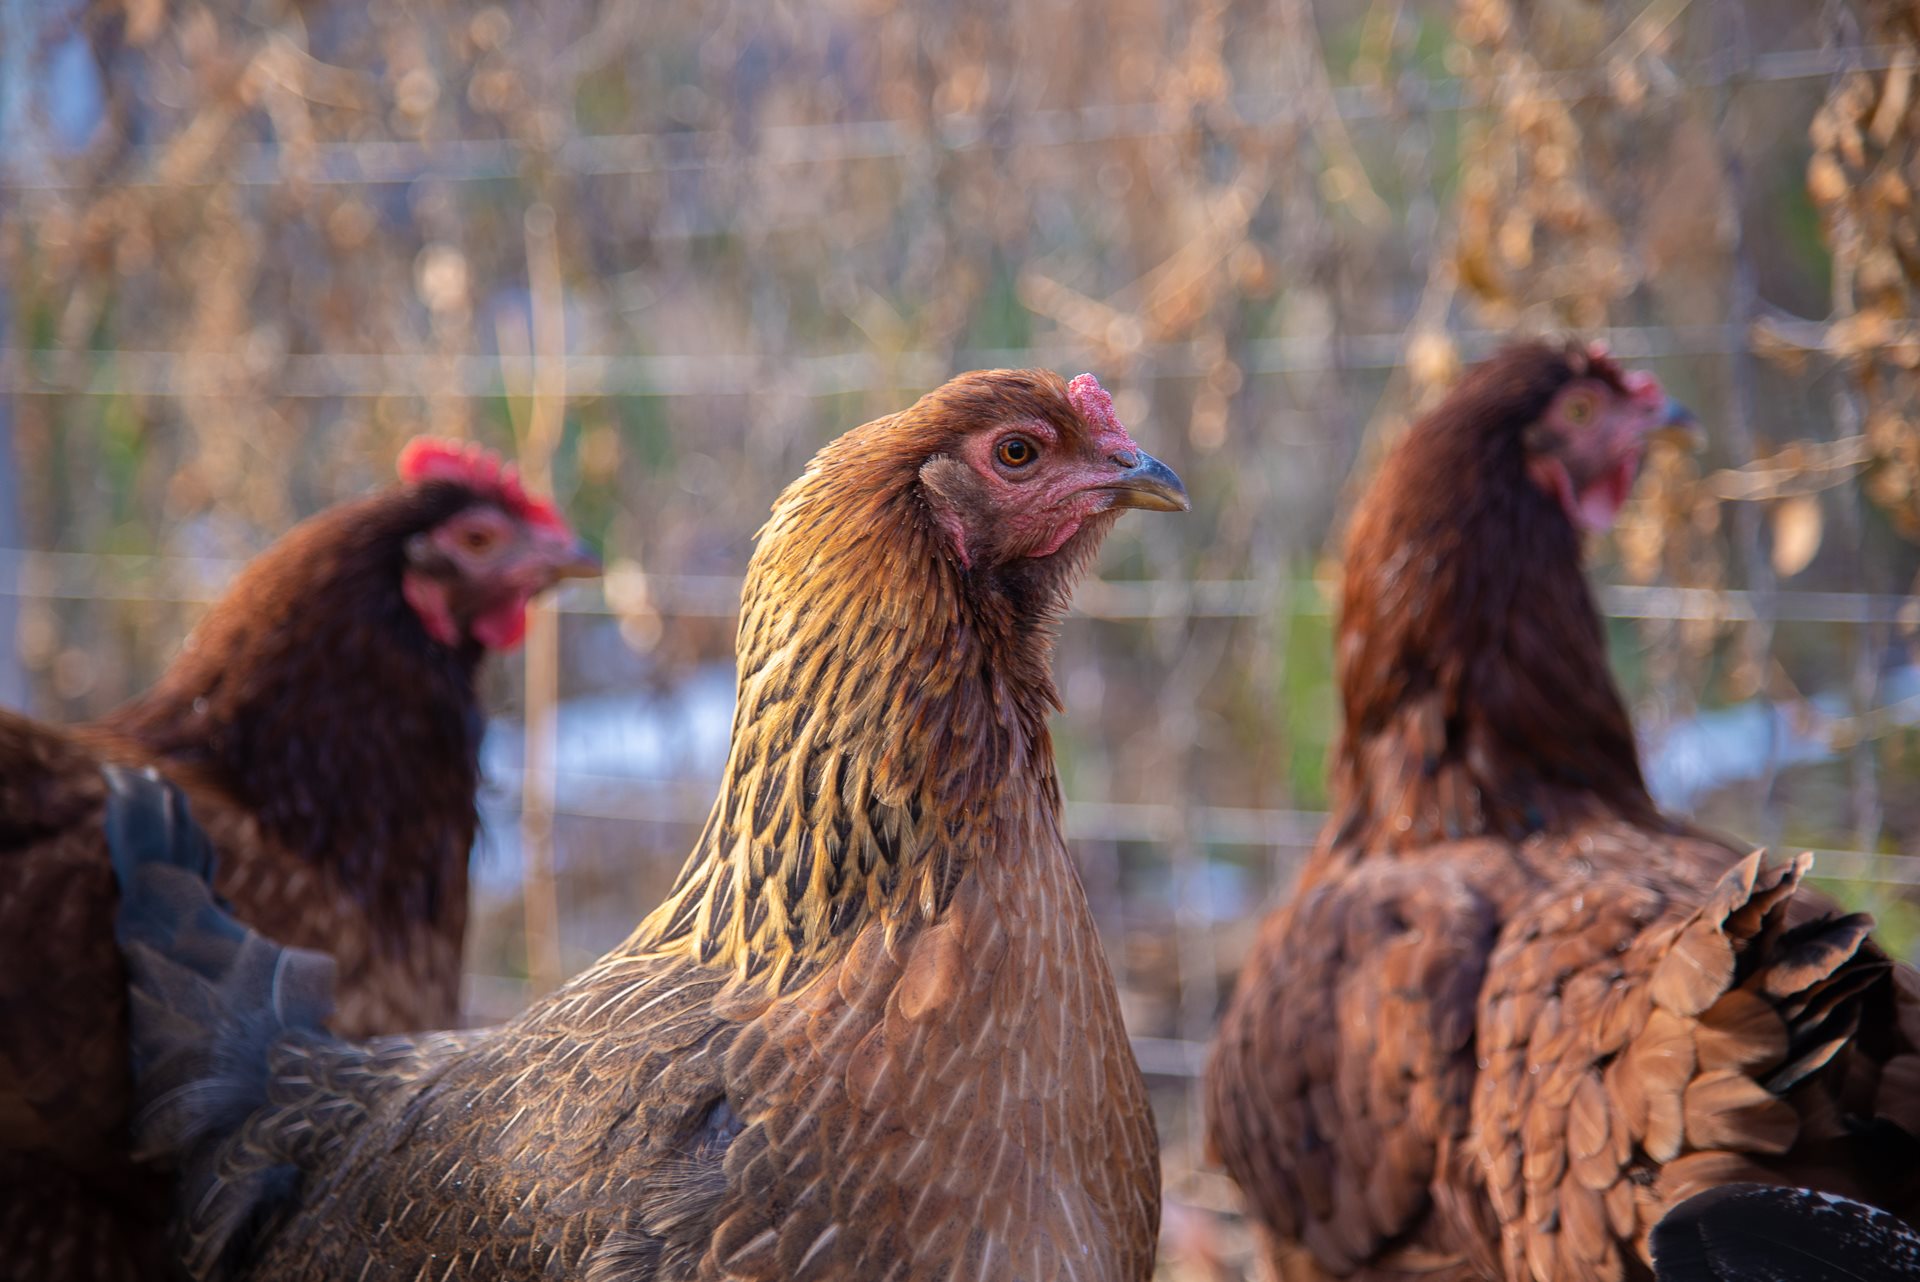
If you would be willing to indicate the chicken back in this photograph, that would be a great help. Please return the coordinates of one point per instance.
(1512, 1013)
(871, 1032)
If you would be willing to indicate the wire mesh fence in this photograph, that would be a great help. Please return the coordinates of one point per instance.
(249, 248)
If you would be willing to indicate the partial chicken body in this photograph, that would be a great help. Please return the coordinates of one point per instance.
(324, 721)
(871, 1033)
(1512, 1014)
(1756, 1233)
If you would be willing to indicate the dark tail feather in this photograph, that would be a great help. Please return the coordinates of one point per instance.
(1760, 1233)
(209, 997)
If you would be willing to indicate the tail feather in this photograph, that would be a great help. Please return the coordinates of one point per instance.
(1791, 1038)
(1760, 1233)
(213, 1005)
(1818, 986)
(1814, 975)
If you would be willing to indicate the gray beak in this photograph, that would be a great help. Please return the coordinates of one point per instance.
(1679, 426)
(579, 563)
(564, 556)
(1148, 484)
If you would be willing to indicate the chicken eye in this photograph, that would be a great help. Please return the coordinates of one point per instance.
(1016, 452)
(1579, 411)
(476, 539)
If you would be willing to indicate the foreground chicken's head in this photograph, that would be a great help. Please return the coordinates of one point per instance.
(1585, 446)
(895, 669)
(470, 575)
(1020, 467)
(1000, 482)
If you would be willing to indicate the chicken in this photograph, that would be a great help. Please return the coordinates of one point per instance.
(323, 718)
(869, 1034)
(1512, 1013)
(1756, 1233)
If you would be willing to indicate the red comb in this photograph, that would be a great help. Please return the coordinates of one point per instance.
(438, 458)
(1602, 364)
(1092, 403)
(1639, 384)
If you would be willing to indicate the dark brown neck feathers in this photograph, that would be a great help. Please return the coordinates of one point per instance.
(1471, 659)
(889, 731)
(312, 696)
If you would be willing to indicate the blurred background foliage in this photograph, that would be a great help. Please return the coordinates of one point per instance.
(250, 246)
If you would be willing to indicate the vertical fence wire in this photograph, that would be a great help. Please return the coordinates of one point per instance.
(546, 403)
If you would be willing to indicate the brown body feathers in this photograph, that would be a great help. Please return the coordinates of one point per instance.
(870, 1034)
(329, 746)
(1511, 1013)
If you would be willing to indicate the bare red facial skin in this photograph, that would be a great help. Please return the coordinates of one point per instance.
(504, 627)
(499, 627)
(1591, 441)
(1037, 509)
(1033, 511)
(1019, 489)
(484, 564)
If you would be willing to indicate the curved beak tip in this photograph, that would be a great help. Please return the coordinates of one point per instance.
(1151, 486)
(1680, 426)
(577, 562)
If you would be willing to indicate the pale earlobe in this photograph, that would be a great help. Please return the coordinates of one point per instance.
(949, 484)
(431, 600)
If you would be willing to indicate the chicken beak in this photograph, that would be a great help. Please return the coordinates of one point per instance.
(570, 558)
(581, 563)
(1148, 484)
(1679, 426)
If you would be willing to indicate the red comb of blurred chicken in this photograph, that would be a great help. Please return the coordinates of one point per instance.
(467, 463)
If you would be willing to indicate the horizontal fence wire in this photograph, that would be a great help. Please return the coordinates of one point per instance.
(376, 162)
(371, 375)
(158, 577)
(585, 795)
(1143, 823)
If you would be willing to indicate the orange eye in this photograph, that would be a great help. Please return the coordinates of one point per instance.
(1016, 452)
(477, 540)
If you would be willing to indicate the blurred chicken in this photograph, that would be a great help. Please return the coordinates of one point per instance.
(1512, 1014)
(870, 1033)
(323, 718)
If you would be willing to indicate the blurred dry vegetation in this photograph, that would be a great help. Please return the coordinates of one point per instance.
(671, 249)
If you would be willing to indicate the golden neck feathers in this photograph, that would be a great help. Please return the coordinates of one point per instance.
(889, 729)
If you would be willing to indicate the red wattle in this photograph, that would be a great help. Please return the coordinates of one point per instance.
(503, 627)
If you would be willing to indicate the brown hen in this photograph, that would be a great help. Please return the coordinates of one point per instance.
(1512, 1013)
(323, 719)
(870, 1034)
